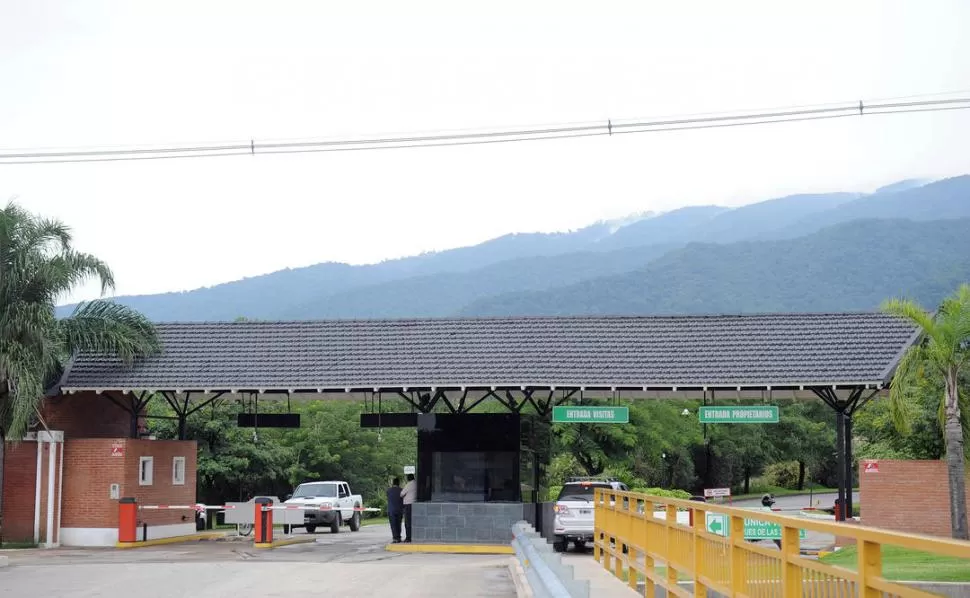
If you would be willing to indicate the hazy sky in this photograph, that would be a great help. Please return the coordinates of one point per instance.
(85, 73)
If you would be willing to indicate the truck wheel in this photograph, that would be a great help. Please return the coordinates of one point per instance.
(287, 529)
(337, 522)
(355, 521)
(310, 529)
(560, 545)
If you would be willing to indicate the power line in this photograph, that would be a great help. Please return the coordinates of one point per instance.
(507, 135)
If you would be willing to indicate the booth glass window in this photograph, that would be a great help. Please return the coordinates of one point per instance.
(146, 466)
(178, 471)
(474, 476)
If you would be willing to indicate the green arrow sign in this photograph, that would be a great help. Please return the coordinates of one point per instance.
(753, 529)
(717, 524)
(591, 415)
(765, 414)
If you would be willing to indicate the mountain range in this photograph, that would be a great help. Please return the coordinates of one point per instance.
(818, 252)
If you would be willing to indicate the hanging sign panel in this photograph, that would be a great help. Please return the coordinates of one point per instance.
(761, 414)
(590, 415)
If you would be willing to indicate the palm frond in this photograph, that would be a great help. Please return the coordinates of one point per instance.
(962, 316)
(905, 381)
(38, 267)
(108, 328)
(910, 310)
(19, 369)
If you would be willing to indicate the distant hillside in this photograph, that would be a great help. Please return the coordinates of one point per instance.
(446, 282)
(942, 200)
(852, 266)
(444, 294)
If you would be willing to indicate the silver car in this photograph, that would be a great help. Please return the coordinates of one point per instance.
(574, 512)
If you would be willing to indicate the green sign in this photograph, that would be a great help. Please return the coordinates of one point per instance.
(765, 414)
(753, 529)
(591, 415)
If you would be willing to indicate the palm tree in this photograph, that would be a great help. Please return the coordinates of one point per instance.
(38, 267)
(942, 351)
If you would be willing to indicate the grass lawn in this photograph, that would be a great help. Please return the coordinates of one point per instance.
(17, 545)
(902, 564)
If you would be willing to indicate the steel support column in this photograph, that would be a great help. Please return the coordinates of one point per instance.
(843, 466)
(844, 410)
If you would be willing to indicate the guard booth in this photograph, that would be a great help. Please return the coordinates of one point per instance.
(477, 473)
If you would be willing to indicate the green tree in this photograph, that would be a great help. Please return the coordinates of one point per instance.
(38, 267)
(941, 353)
(804, 434)
(238, 463)
(595, 446)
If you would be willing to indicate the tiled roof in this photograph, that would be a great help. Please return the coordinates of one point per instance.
(756, 350)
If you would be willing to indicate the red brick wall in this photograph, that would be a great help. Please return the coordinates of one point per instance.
(87, 415)
(161, 492)
(19, 483)
(89, 471)
(908, 496)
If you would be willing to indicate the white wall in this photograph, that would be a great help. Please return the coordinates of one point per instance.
(89, 536)
(108, 536)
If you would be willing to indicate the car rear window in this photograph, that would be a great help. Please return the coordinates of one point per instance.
(581, 491)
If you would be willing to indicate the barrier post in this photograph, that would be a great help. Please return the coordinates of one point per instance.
(127, 520)
(263, 521)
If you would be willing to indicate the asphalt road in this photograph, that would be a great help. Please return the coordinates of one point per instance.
(341, 565)
(799, 502)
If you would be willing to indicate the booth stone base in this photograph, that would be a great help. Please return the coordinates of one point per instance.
(467, 523)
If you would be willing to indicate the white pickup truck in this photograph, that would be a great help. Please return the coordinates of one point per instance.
(334, 505)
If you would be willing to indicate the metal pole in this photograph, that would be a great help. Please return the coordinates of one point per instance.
(840, 447)
(849, 466)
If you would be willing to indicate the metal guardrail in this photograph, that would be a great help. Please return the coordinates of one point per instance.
(548, 577)
(713, 555)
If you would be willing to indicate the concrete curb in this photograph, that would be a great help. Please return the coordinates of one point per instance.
(284, 542)
(451, 548)
(173, 540)
(522, 589)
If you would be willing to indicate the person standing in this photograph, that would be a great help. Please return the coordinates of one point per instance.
(408, 495)
(395, 509)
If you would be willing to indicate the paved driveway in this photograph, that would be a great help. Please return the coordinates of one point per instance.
(341, 565)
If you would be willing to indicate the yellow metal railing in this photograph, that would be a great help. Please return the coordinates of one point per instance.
(639, 539)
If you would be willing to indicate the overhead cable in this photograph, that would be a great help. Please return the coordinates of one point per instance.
(608, 128)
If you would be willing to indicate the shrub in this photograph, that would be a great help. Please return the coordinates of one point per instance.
(624, 475)
(552, 493)
(683, 494)
(782, 475)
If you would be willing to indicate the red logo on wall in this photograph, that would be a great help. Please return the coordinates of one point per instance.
(870, 466)
(117, 449)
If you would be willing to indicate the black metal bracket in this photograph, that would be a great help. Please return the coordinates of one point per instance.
(134, 407)
(184, 408)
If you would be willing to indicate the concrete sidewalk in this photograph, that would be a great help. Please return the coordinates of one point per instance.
(601, 583)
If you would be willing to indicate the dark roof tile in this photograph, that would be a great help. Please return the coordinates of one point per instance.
(772, 349)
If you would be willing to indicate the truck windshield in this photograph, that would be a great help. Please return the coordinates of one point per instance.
(316, 491)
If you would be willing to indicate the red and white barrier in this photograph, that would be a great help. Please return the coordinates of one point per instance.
(319, 508)
(182, 507)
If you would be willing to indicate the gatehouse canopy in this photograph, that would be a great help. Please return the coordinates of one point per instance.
(638, 356)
